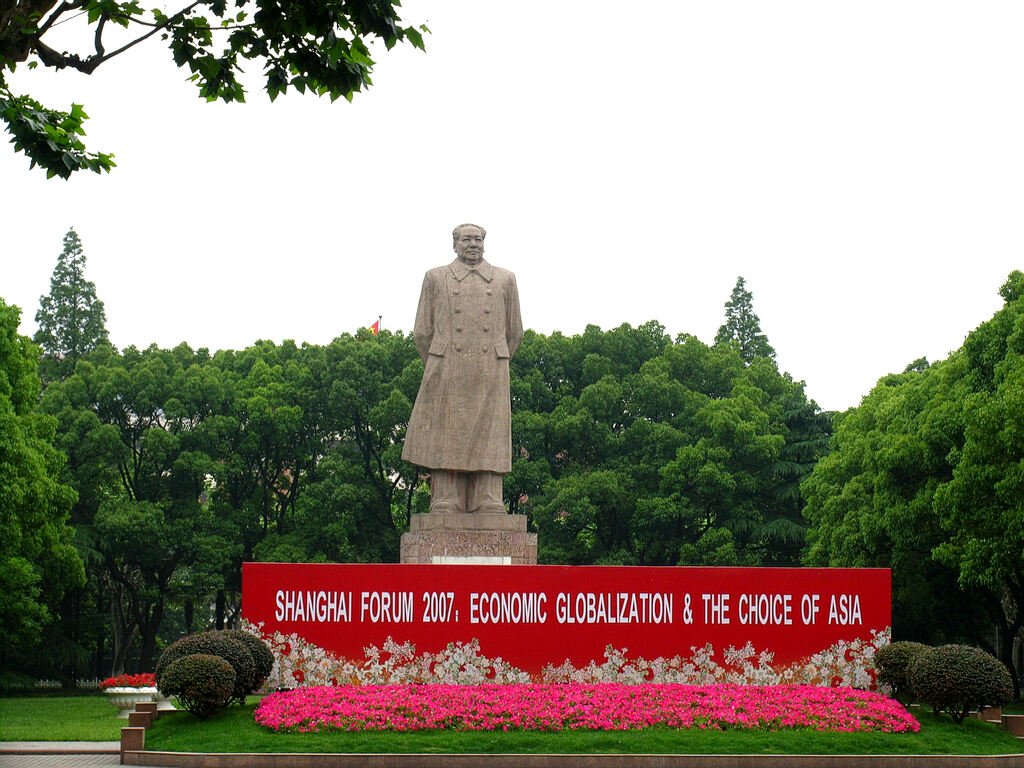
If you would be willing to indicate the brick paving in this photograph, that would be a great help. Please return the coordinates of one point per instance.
(57, 754)
(8, 760)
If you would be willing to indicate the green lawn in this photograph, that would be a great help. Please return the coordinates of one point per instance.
(59, 718)
(92, 718)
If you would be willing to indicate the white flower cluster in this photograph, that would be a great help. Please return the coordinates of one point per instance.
(299, 662)
(846, 663)
(742, 666)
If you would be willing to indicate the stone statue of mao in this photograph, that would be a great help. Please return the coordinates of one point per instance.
(467, 328)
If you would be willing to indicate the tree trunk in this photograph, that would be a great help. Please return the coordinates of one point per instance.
(1020, 656)
(221, 606)
(123, 630)
(1006, 656)
(97, 658)
(149, 632)
(1008, 625)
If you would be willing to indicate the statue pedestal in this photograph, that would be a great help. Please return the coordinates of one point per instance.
(457, 538)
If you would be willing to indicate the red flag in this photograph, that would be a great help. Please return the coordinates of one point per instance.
(375, 328)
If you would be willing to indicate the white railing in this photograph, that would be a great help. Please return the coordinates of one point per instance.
(85, 684)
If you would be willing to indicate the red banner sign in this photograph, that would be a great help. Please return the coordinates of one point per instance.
(540, 617)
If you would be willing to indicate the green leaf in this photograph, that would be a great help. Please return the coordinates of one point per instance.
(414, 37)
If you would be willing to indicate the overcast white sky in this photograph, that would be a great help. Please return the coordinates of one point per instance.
(861, 164)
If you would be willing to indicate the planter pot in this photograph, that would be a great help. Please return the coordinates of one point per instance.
(125, 699)
(164, 703)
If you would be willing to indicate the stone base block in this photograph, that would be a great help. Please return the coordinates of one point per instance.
(990, 714)
(470, 539)
(460, 521)
(140, 719)
(1014, 724)
(133, 739)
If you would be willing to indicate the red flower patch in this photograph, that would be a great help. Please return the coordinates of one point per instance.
(141, 680)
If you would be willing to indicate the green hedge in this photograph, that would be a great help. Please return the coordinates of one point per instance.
(220, 644)
(959, 678)
(261, 654)
(892, 662)
(203, 683)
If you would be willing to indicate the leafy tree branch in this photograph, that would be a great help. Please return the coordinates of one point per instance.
(321, 46)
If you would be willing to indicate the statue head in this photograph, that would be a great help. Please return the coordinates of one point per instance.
(468, 242)
(458, 229)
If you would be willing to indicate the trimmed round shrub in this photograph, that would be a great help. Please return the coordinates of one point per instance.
(261, 654)
(215, 644)
(202, 683)
(959, 678)
(892, 661)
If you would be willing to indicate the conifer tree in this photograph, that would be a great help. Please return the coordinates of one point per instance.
(743, 326)
(72, 321)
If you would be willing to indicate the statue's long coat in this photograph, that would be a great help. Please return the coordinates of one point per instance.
(467, 328)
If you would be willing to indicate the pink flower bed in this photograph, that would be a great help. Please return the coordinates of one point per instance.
(606, 706)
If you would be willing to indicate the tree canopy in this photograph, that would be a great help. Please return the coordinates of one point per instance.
(187, 465)
(38, 562)
(320, 46)
(637, 449)
(924, 477)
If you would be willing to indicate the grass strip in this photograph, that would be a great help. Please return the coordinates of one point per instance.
(68, 718)
(235, 730)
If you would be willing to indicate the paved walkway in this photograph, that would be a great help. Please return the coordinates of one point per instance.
(59, 754)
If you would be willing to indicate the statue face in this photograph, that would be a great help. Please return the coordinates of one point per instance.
(470, 245)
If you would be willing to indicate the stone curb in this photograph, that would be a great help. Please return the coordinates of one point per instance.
(308, 760)
(59, 747)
